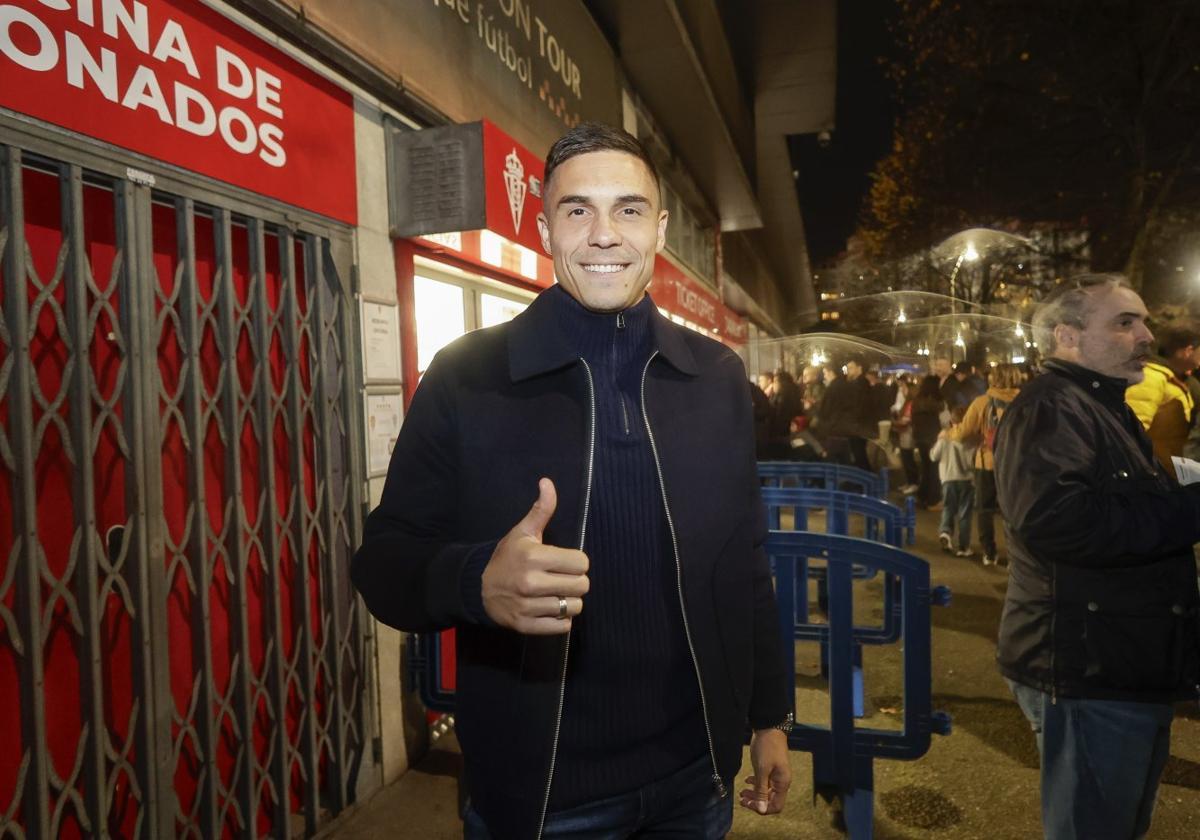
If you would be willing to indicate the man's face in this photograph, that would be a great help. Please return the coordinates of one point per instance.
(809, 375)
(1115, 340)
(1185, 359)
(941, 367)
(853, 370)
(603, 225)
(829, 374)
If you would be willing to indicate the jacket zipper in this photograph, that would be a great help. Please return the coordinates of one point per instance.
(620, 394)
(587, 500)
(712, 753)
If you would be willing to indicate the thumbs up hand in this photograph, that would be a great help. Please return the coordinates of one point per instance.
(532, 587)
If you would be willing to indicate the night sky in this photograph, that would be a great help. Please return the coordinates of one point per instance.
(833, 179)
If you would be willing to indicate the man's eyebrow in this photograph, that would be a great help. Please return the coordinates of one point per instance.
(574, 199)
(629, 198)
(1120, 315)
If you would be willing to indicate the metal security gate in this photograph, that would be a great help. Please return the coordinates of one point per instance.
(181, 652)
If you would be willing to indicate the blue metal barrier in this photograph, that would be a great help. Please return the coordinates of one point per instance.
(882, 521)
(843, 753)
(816, 474)
(428, 672)
(832, 476)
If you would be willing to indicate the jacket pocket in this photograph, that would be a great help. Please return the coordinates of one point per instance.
(1137, 651)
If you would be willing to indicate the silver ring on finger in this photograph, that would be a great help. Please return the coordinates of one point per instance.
(562, 608)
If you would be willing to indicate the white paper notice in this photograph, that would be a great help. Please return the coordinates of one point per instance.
(1186, 470)
(383, 427)
(381, 342)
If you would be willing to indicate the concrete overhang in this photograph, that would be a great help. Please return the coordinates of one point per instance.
(678, 59)
(795, 93)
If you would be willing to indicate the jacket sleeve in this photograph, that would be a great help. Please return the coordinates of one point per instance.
(1064, 513)
(771, 700)
(1146, 396)
(935, 454)
(970, 430)
(410, 572)
(771, 697)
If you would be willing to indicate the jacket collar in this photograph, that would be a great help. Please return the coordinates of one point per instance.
(538, 344)
(1160, 364)
(1108, 390)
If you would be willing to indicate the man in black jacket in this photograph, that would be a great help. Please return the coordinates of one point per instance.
(844, 416)
(617, 639)
(1100, 632)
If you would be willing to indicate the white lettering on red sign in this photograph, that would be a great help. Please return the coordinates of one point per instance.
(695, 303)
(28, 41)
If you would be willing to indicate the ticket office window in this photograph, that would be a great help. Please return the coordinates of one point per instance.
(450, 305)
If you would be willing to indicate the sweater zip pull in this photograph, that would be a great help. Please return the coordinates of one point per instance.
(620, 320)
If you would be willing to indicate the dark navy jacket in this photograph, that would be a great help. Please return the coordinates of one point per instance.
(497, 410)
(1102, 597)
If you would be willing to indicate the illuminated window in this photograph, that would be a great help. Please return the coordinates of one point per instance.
(491, 248)
(495, 310)
(529, 263)
(439, 316)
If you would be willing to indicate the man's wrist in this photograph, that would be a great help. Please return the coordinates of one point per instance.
(785, 726)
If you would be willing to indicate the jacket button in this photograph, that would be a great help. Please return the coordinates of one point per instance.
(1178, 610)
(1095, 384)
(1122, 474)
(1093, 606)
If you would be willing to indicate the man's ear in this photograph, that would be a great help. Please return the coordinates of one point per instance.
(662, 230)
(1066, 336)
(544, 231)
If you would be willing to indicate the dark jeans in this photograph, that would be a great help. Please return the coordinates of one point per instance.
(858, 453)
(987, 507)
(930, 490)
(908, 458)
(956, 515)
(1101, 762)
(685, 805)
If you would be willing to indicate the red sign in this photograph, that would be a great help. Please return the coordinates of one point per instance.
(679, 294)
(512, 183)
(176, 80)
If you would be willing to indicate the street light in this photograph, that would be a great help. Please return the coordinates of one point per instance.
(970, 255)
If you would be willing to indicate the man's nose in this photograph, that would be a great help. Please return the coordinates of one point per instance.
(603, 233)
(1144, 334)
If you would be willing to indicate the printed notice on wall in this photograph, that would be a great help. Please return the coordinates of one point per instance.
(383, 427)
(381, 342)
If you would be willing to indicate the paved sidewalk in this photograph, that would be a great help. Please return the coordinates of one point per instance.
(978, 783)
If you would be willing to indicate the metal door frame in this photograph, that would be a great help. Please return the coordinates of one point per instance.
(138, 182)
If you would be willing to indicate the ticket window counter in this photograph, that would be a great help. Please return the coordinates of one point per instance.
(449, 302)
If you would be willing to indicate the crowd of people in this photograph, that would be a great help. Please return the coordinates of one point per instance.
(941, 427)
(1098, 635)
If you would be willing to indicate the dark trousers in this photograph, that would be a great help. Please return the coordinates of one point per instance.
(987, 508)
(858, 453)
(684, 804)
(908, 458)
(930, 490)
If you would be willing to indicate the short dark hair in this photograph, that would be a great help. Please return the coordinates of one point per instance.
(596, 137)
(1176, 338)
(963, 367)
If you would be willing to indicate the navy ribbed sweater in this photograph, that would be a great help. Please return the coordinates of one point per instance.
(632, 712)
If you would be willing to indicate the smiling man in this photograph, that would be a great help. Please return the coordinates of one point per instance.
(1100, 631)
(617, 638)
